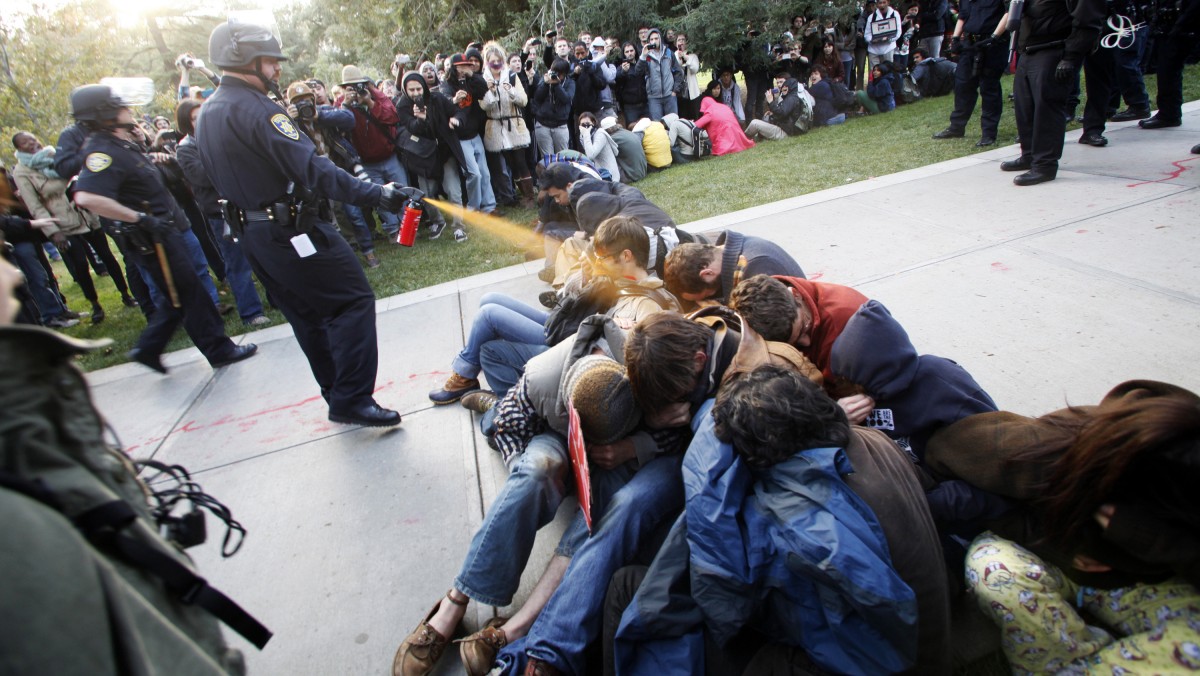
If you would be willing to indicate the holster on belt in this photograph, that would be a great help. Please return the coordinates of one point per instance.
(233, 218)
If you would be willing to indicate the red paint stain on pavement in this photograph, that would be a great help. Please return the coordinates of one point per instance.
(246, 422)
(1179, 169)
(1001, 267)
(815, 276)
(1080, 232)
(410, 522)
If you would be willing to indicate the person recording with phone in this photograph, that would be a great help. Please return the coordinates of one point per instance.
(552, 108)
(374, 136)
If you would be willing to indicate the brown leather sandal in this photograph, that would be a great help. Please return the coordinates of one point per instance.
(422, 649)
(478, 651)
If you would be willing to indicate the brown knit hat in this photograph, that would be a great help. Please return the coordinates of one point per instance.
(601, 393)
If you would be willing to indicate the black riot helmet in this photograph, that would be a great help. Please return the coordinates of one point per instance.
(235, 45)
(95, 103)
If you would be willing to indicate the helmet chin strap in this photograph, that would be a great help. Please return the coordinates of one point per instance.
(268, 84)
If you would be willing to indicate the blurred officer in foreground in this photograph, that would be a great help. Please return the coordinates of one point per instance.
(120, 183)
(274, 182)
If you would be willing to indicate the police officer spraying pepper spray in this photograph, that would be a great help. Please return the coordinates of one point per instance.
(120, 183)
(275, 183)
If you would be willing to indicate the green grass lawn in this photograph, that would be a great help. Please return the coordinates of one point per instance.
(773, 170)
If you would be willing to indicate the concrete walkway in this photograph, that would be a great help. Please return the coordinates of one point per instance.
(1047, 295)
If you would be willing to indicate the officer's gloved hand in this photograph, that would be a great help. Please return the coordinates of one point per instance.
(956, 46)
(1065, 70)
(396, 196)
(153, 225)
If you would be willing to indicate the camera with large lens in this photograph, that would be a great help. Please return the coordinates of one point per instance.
(306, 109)
(361, 89)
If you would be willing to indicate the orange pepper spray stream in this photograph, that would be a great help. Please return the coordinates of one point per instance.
(503, 228)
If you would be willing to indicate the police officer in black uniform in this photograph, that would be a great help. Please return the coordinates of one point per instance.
(982, 51)
(276, 183)
(120, 183)
(1053, 39)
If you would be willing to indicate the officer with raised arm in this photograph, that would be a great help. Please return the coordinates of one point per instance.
(275, 184)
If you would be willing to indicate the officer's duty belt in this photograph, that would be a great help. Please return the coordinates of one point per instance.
(256, 215)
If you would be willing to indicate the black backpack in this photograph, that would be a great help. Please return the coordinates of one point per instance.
(843, 98)
(939, 77)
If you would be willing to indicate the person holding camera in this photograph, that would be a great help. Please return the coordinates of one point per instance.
(664, 78)
(881, 32)
(432, 152)
(505, 133)
(631, 85)
(552, 108)
(186, 63)
(374, 136)
(118, 183)
(466, 88)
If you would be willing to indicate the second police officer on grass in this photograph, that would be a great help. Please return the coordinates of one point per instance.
(276, 185)
(121, 184)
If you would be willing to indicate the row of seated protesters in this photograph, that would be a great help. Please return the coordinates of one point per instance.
(781, 481)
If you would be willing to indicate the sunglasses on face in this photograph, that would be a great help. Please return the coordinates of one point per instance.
(585, 125)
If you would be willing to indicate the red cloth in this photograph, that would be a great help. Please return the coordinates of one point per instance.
(831, 306)
(372, 144)
(722, 126)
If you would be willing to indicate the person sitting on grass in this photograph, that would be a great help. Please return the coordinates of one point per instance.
(824, 111)
(721, 124)
(878, 97)
(655, 141)
(598, 145)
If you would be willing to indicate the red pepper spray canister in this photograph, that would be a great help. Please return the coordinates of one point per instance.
(408, 226)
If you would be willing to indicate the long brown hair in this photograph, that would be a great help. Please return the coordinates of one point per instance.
(1134, 449)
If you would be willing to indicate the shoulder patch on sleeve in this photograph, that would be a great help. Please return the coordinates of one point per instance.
(283, 125)
(97, 162)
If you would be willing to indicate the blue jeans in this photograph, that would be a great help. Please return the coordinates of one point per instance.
(362, 233)
(49, 305)
(633, 112)
(504, 361)
(382, 173)
(199, 263)
(662, 105)
(502, 317)
(639, 504)
(500, 549)
(836, 119)
(237, 271)
(479, 180)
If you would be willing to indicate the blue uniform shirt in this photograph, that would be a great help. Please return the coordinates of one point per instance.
(119, 170)
(251, 150)
(980, 17)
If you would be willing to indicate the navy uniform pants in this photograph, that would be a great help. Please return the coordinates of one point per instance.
(1100, 78)
(969, 87)
(1041, 107)
(328, 302)
(197, 312)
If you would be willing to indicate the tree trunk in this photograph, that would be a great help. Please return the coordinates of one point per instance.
(12, 81)
(160, 44)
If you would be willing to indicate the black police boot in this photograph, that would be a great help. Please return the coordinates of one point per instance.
(368, 415)
(1033, 177)
(1130, 114)
(1196, 149)
(985, 142)
(1022, 163)
(949, 132)
(1157, 122)
(239, 353)
(144, 358)
(1093, 139)
(97, 314)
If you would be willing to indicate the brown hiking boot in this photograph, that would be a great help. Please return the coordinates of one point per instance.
(456, 386)
(480, 401)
